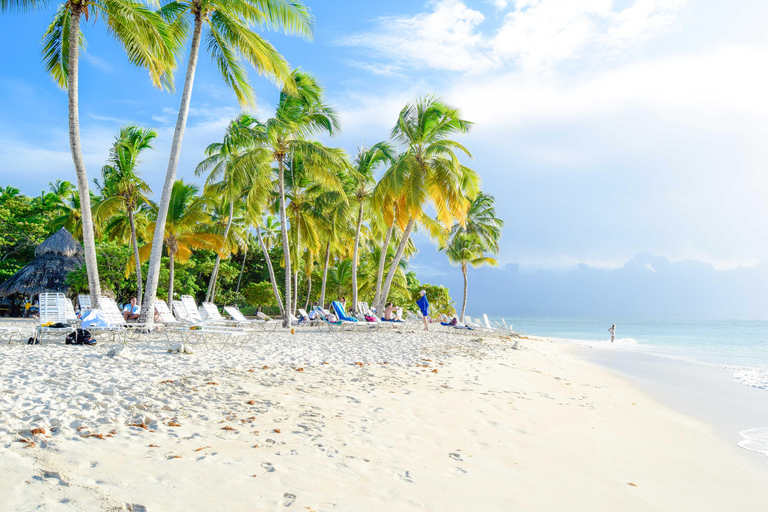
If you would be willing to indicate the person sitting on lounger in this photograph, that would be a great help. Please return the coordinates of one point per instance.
(131, 310)
(389, 309)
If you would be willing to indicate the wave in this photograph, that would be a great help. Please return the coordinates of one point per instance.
(754, 377)
(755, 440)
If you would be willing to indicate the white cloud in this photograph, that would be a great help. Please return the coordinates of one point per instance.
(445, 38)
(535, 35)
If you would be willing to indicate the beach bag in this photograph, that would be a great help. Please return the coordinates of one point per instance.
(80, 337)
(369, 318)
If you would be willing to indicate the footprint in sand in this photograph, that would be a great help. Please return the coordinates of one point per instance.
(288, 499)
(456, 456)
(405, 476)
(268, 467)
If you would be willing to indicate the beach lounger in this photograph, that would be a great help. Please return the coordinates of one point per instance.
(207, 331)
(338, 308)
(212, 315)
(85, 304)
(238, 316)
(69, 313)
(269, 321)
(52, 310)
(324, 315)
(117, 324)
(309, 321)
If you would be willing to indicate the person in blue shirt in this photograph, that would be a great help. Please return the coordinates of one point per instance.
(423, 304)
(131, 310)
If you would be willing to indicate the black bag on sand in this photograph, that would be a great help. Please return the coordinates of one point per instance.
(80, 337)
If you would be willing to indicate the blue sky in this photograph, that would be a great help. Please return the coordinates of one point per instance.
(605, 128)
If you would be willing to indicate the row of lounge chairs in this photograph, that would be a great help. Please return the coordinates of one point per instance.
(204, 323)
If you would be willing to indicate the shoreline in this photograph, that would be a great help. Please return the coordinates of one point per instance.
(706, 391)
(397, 420)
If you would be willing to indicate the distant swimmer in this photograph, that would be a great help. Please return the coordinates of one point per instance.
(612, 330)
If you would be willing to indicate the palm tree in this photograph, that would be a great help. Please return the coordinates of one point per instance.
(124, 191)
(223, 162)
(148, 43)
(270, 230)
(465, 250)
(340, 277)
(299, 114)
(428, 171)
(362, 181)
(227, 220)
(230, 40)
(482, 222)
(187, 229)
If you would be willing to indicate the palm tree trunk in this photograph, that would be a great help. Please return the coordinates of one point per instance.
(135, 243)
(353, 309)
(242, 268)
(295, 292)
(396, 261)
(464, 304)
(296, 271)
(170, 285)
(272, 278)
(309, 290)
(155, 258)
(286, 248)
(377, 303)
(89, 243)
(325, 273)
(215, 274)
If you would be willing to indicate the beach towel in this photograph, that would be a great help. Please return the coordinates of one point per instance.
(95, 318)
(423, 304)
(339, 309)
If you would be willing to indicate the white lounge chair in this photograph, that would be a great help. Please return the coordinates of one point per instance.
(85, 304)
(52, 309)
(208, 331)
(271, 322)
(238, 316)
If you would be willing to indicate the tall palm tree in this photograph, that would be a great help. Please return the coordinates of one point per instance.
(148, 43)
(123, 189)
(227, 220)
(465, 250)
(229, 176)
(300, 113)
(363, 181)
(428, 170)
(230, 40)
(187, 229)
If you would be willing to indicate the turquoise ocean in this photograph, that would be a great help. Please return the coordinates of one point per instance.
(738, 345)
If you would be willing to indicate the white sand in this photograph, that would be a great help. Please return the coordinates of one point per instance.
(492, 429)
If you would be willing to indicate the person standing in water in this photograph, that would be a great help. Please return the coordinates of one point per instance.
(423, 304)
(612, 330)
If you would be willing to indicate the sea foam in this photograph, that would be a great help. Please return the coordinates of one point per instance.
(755, 440)
(755, 377)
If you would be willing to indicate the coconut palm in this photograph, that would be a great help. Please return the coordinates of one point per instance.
(482, 222)
(227, 220)
(300, 113)
(270, 230)
(224, 163)
(465, 250)
(428, 170)
(123, 189)
(187, 229)
(363, 181)
(148, 43)
(230, 40)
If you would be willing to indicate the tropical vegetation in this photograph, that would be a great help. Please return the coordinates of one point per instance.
(282, 220)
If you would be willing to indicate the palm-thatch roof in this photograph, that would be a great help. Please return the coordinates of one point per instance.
(59, 255)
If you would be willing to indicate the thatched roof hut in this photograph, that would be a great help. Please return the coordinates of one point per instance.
(54, 259)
